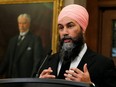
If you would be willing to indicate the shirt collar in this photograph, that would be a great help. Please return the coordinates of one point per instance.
(77, 60)
(84, 49)
(23, 33)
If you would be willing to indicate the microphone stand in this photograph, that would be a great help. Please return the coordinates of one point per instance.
(49, 53)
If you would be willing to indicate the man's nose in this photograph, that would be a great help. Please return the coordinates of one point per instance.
(65, 31)
(65, 35)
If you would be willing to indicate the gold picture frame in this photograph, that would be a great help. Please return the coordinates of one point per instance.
(13, 7)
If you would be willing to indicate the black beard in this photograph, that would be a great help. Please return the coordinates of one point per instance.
(73, 51)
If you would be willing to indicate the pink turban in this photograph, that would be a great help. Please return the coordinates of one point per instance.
(77, 13)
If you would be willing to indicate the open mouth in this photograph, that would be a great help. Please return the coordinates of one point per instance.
(67, 40)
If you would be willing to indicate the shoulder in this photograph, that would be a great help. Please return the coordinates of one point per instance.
(33, 36)
(13, 39)
(54, 56)
(99, 59)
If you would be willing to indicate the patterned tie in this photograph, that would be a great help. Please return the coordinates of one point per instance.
(19, 40)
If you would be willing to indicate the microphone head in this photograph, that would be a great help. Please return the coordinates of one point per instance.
(49, 53)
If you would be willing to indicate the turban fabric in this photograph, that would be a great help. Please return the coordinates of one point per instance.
(77, 13)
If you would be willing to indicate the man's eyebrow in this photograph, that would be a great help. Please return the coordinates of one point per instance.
(69, 22)
(59, 24)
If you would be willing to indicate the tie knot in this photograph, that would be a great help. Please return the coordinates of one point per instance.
(21, 37)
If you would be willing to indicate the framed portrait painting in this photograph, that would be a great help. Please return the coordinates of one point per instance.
(43, 21)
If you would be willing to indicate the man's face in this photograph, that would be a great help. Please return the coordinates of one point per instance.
(23, 24)
(69, 30)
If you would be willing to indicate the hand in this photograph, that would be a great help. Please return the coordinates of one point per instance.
(47, 73)
(75, 74)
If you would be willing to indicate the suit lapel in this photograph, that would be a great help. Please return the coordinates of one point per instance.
(87, 58)
(12, 48)
(54, 63)
(24, 45)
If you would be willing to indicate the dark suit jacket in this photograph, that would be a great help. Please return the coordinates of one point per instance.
(22, 61)
(102, 70)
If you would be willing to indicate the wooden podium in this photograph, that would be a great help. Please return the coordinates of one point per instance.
(36, 82)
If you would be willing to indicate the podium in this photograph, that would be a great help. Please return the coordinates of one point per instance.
(37, 82)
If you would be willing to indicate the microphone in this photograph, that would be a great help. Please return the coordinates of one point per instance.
(49, 53)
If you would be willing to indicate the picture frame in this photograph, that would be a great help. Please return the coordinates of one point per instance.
(43, 13)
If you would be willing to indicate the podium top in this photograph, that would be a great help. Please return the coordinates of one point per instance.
(43, 81)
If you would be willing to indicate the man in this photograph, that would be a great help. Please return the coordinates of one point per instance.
(24, 51)
(75, 61)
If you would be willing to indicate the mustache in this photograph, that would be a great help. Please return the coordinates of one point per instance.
(66, 38)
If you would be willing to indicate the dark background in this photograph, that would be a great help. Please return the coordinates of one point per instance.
(41, 23)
